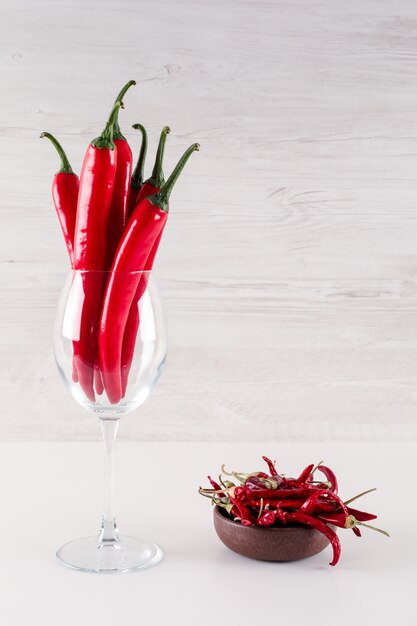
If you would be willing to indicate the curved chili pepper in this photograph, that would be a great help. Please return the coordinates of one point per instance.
(271, 466)
(301, 518)
(305, 474)
(362, 516)
(138, 173)
(330, 475)
(141, 232)
(149, 187)
(266, 519)
(242, 493)
(216, 486)
(94, 199)
(246, 517)
(310, 504)
(119, 200)
(65, 187)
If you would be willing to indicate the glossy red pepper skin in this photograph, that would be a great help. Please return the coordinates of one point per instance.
(136, 182)
(65, 188)
(94, 199)
(301, 518)
(133, 321)
(121, 188)
(130, 259)
(150, 187)
(119, 200)
(142, 230)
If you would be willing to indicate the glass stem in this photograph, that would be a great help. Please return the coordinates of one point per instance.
(109, 532)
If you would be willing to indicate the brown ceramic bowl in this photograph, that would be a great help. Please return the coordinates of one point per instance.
(268, 544)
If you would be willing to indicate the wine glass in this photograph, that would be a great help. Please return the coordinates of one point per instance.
(76, 341)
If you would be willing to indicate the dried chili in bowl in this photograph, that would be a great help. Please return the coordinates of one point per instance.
(274, 501)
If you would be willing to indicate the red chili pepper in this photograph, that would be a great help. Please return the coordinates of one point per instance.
(150, 187)
(141, 232)
(336, 519)
(216, 486)
(65, 187)
(271, 466)
(301, 518)
(310, 504)
(362, 516)
(119, 200)
(305, 474)
(96, 188)
(331, 477)
(138, 173)
(357, 531)
(286, 503)
(266, 519)
(246, 517)
(242, 493)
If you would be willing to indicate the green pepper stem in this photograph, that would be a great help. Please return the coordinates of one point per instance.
(105, 140)
(138, 172)
(157, 178)
(117, 133)
(65, 164)
(161, 198)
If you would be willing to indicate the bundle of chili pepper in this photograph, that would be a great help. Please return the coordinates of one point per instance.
(112, 221)
(274, 500)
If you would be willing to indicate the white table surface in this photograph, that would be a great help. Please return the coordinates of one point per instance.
(51, 493)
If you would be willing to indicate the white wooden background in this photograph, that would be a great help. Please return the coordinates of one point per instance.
(289, 265)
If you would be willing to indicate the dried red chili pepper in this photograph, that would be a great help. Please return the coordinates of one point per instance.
(301, 518)
(65, 187)
(266, 519)
(119, 201)
(271, 466)
(216, 486)
(362, 516)
(242, 493)
(305, 474)
(138, 173)
(94, 199)
(144, 226)
(310, 504)
(331, 477)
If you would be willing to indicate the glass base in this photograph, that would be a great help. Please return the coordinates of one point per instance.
(124, 555)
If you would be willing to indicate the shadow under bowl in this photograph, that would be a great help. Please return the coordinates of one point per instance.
(268, 544)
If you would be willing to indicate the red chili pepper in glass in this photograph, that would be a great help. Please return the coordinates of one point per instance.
(143, 228)
(301, 518)
(94, 199)
(150, 187)
(65, 187)
(121, 188)
(138, 173)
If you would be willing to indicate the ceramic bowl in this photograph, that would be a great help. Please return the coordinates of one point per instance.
(268, 544)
